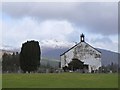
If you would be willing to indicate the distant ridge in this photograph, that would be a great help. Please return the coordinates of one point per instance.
(107, 56)
(53, 54)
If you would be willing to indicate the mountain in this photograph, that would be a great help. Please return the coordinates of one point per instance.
(107, 56)
(53, 53)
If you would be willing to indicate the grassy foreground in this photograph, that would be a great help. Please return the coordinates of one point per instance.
(0, 81)
(62, 80)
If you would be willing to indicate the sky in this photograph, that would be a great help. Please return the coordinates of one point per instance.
(60, 23)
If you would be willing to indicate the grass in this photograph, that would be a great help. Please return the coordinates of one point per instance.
(0, 81)
(62, 80)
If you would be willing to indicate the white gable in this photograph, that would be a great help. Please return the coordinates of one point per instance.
(85, 53)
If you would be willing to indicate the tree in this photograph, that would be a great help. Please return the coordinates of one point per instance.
(10, 63)
(30, 56)
(75, 64)
(65, 68)
(5, 62)
(114, 67)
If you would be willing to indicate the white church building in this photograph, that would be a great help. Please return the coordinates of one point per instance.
(83, 52)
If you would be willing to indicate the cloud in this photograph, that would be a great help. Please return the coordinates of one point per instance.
(103, 39)
(99, 17)
(19, 31)
(0, 34)
(105, 43)
(60, 24)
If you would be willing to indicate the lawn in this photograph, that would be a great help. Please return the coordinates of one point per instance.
(61, 80)
(0, 81)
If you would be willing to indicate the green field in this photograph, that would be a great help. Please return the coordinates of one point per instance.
(61, 80)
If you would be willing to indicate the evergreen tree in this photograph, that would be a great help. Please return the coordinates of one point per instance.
(30, 56)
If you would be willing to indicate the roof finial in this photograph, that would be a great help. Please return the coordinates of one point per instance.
(82, 37)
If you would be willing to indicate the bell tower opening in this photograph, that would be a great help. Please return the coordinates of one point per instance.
(82, 37)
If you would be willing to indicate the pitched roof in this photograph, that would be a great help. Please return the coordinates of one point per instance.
(78, 44)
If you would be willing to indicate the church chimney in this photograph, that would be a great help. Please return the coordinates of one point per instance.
(82, 37)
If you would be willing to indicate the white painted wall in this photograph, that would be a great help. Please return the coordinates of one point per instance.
(84, 53)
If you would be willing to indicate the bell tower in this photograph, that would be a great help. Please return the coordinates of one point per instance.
(82, 37)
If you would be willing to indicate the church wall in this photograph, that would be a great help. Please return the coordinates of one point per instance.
(66, 58)
(83, 54)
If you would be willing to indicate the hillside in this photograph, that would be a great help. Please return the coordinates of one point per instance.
(49, 62)
(52, 56)
(107, 56)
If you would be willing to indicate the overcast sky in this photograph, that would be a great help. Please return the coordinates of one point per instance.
(60, 23)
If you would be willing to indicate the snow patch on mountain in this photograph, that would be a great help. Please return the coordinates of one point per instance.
(55, 44)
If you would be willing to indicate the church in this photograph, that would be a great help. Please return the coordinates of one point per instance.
(90, 56)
